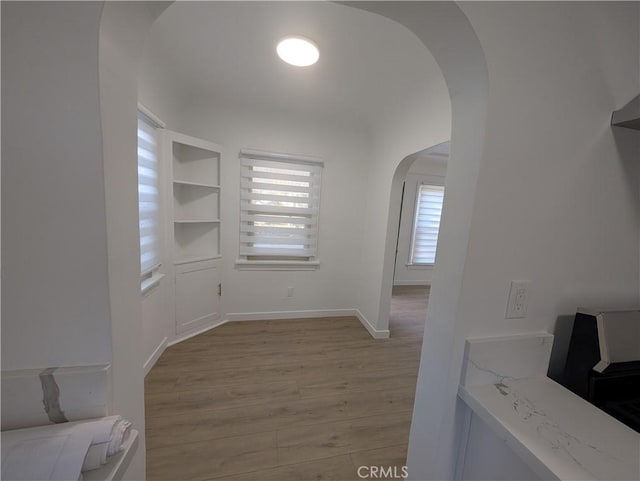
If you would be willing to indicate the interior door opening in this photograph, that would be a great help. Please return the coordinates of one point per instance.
(420, 206)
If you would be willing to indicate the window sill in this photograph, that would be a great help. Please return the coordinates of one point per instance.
(150, 283)
(419, 267)
(245, 265)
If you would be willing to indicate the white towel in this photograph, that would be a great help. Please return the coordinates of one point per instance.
(62, 451)
(109, 436)
(57, 457)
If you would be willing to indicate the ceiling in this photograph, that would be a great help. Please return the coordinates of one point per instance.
(224, 52)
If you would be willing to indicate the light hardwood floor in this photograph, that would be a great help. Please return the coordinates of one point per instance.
(297, 400)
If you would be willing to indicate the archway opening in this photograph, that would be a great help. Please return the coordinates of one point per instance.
(418, 192)
(440, 27)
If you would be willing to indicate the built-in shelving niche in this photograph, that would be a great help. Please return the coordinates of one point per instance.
(196, 241)
(196, 201)
(195, 165)
(194, 231)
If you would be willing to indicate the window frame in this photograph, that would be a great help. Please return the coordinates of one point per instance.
(151, 276)
(272, 261)
(436, 182)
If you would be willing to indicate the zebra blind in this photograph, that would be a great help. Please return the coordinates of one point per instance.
(148, 195)
(279, 205)
(426, 224)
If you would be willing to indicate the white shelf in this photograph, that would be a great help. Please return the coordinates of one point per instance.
(189, 260)
(194, 164)
(196, 184)
(197, 221)
(191, 202)
(196, 239)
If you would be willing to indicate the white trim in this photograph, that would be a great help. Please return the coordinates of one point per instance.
(196, 184)
(430, 179)
(191, 260)
(375, 333)
(184, 337)
(411, 283)
(273, 315)
(265, 155)
(188, 140)
(276, 265)
(151, 282)
(463, 442)
(266, 316)
(155, 355)
(419, 267)
(150, 270)
(151, 116)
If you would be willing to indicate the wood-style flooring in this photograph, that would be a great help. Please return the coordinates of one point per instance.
(285, 400)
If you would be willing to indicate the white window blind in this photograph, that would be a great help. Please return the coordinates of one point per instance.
(279, 206)
(148, 194)
(426, 224)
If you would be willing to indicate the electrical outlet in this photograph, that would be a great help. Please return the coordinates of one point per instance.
(517, 303)
(289, 291)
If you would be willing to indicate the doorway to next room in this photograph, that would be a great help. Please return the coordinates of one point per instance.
(418, 224)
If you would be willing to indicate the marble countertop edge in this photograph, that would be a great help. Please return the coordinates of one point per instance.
(555, 449)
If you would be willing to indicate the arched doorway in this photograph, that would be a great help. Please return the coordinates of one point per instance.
(413, 266)
(446, 32)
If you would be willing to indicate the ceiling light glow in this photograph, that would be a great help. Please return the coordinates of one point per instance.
(298, 51)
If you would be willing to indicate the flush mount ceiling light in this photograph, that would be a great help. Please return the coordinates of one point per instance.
(298, 51)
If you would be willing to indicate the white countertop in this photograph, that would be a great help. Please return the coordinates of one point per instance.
(556, 433)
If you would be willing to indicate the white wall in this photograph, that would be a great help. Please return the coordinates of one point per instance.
(422, 171)
(422, 123)
(70, 236)
(554, 171)
(123, 29)
(556, 198)
(54, 241)
(344, 148)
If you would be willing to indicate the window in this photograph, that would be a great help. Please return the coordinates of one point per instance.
(426, 224)
(148, 194)
(279, 206)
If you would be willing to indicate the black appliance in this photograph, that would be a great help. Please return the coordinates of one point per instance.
(603, 362)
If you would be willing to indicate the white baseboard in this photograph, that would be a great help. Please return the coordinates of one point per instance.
(184, 337)
(265, 316)
(411, 283)
(155, 355)
(375, 333)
